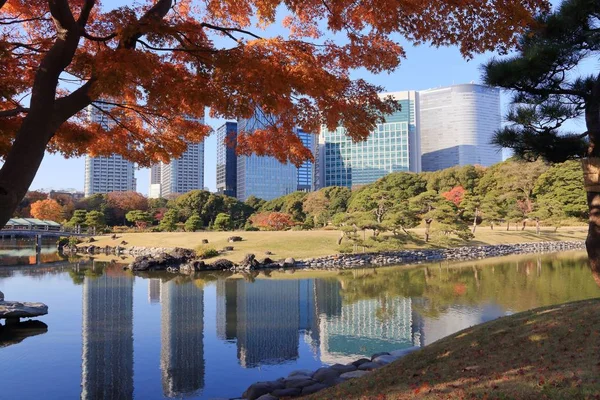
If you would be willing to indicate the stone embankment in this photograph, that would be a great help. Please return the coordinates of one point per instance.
(305, 382)
(185, 260)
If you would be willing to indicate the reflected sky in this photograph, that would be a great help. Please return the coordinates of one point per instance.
(115, 335)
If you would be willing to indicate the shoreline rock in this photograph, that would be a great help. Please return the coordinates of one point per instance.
(304, 382)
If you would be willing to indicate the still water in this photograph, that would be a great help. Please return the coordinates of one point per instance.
(114, 335)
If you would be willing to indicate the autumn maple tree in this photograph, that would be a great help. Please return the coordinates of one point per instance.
(47, 209)
(153, 68)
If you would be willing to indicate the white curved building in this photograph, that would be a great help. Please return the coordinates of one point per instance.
(457, 124)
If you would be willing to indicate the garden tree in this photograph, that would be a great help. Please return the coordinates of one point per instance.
(78, 218)
(516, 179)
(95, 202)
(190, 202)
(254, 202)
(549, 210)
(24, 208)
(193, 223)
(447, 219)
(140, 218)
(401, 218)
(379, 197)
(118, 204)
(169, 221)
(272, 220)
(455, 195)
(444, 180)
(563, 184)
(158, 61)
(223, 222)
(549, 90)
(47, 209)
(323, 204)
(95, 219)
(470, 209)
(492, 208)
(211, 208)
(238, 212)
(289, 204)
(423, 205)
(66, 202)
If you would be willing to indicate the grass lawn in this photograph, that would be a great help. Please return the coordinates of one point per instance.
(547, 353)
(306, 244)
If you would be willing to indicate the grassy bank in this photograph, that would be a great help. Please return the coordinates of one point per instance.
(547, 353)
(306, 244)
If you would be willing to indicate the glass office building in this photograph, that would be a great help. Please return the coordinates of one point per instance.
(264, 177)
(457, 124)
(227, 159)
(306, 170)
(392, 147)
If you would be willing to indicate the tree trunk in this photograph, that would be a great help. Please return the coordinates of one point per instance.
(508, 225)
(475, 220)
(524, 224)
(492, 225)
(537, 226)
(428, 222)
(592, 243)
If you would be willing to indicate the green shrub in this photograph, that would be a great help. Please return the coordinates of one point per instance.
(251, 228)
(206, 252)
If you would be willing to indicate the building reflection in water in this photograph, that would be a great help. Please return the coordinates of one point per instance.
(182, 347)
(266, 318)
(153, 291)
(107, 336)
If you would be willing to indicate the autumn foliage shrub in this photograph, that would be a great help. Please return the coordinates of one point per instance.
(272, 221)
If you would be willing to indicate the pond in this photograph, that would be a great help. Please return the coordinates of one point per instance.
(114, 335)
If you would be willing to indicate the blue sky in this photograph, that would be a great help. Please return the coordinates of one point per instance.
(424, 67)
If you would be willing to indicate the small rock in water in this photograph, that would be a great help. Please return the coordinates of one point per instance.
(358, 363)
(343, 368)
(369, 366)
(374, 356)
(326, 375)
(303, 372)
(298, 382)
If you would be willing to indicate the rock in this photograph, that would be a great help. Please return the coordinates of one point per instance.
(268, 253)
(290, 392)
(299, 382)
(358, 363)
(303, 372)
(326, 375)
(113, 236)
(204, 241)
(403, 352)
(267, 397)
(232, 239)
(16, 310)
(313, 389)
(1, 296)
(266, 261)
(249, 262)
(289, 262)
(91, 240)
(385, 359)
(228, 248)
(182, 254)
(261, 388)
(354, 374)
(374, 356)
(343, 368)
(123, 243)
(222, 264)
(369, 366)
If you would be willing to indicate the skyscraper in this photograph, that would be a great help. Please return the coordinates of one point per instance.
(263, 177)
(392, 147)
(227, 159)
(155, 181)
(185, 173)
(182, 339)
(305, 171)
(107, 173)
(107, 337)
(457, 126)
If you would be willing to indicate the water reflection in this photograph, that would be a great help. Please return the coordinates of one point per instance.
(264, 327)
(182, 333)
(107, 336)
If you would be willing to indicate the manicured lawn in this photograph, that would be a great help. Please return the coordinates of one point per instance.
(547, 353)
(306, 244)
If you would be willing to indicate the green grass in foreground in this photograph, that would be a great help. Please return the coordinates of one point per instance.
(306, 244)
(547, 353)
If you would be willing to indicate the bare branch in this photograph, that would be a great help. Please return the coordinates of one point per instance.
(98, 38)
(227, 31)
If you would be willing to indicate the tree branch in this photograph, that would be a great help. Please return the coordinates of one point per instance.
(99, 38)
(13, 112)
(62, 15)
(85, 12)
(228, 31)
